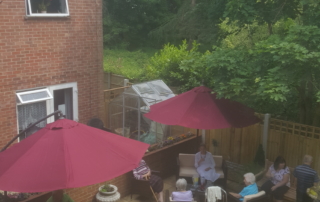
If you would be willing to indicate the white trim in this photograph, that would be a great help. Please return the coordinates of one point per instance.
(28, 5)
(50, 103)
(34, 91)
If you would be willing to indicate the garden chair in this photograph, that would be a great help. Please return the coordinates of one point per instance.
(259, 197)
(224, 195)
(141, 186)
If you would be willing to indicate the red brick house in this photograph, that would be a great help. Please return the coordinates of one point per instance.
(50, 60)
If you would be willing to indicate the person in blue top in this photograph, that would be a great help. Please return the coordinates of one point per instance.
(251, 188)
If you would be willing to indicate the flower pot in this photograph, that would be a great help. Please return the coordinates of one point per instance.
(115, 189)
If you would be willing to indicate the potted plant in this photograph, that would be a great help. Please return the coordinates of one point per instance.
(108, 189)
(43, 5)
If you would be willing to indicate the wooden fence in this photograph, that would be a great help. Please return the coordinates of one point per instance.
(236, 145)
(291, 140)
(112, 81)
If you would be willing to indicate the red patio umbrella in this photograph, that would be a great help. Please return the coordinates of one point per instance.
(67, 154)
(200, 109)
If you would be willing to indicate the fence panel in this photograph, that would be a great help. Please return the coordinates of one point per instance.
(293, 141)
(236, 145)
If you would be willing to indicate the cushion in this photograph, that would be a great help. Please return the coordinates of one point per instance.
(253, 196)
(186, 160)
(191, 171)
(218, 161)
(220, 171)
(188, 171)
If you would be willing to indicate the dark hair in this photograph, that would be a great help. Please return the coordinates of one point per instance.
(202, 145)
(278, 161)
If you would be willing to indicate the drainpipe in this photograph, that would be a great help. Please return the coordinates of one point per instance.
(265, 132)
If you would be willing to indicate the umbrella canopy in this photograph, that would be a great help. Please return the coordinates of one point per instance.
(199, 108)
(67, 154)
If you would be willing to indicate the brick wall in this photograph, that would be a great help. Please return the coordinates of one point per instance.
(49, 51)
(164, 161)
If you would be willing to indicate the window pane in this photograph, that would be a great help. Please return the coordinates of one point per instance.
(30, 113)
(47, 6)
(34, 96)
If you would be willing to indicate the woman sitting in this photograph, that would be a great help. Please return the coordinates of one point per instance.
(143, 172)
(181, 194)
(251, 188)
(205, 166)
(279, 179)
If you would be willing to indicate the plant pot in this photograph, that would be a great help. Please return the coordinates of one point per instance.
(115, 189)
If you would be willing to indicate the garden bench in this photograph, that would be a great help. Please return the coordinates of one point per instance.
(187, 169)
(290, 195)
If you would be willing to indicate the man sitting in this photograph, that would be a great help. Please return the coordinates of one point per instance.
(251, 188)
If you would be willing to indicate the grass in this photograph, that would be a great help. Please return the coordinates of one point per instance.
(130, 64)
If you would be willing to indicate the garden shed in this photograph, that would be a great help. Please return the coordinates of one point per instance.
(126, 112)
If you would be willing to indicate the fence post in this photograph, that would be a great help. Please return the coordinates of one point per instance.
(203, 140)
(109, 80)
(265, 132)
(125, 82)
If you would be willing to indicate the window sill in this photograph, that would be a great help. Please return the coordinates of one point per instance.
(27, 17)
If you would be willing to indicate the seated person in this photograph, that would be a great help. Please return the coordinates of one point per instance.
(251, 188)
(143, 172)
(279, 179)
(181, 194)
(59, 196)
(205, 166)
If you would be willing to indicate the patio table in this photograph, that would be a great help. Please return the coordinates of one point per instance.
(198, 195)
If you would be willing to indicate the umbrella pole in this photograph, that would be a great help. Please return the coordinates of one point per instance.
(197, 141)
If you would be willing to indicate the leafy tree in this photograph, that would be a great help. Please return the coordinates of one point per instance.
(195, 20)
(126, 23)
(168, 65)
(274, 70)
(262, 11)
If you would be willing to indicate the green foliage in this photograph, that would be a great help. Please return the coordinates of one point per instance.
(263, 11)
(126, 23)
(107, 188)
(192, 22)
(259, 159)
(169, 65)
(127, 63)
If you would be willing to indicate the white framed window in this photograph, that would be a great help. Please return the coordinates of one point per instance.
(34, 96)
(64, 97)
(47, 8)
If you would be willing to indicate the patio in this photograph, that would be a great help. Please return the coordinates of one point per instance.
(169, 184)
